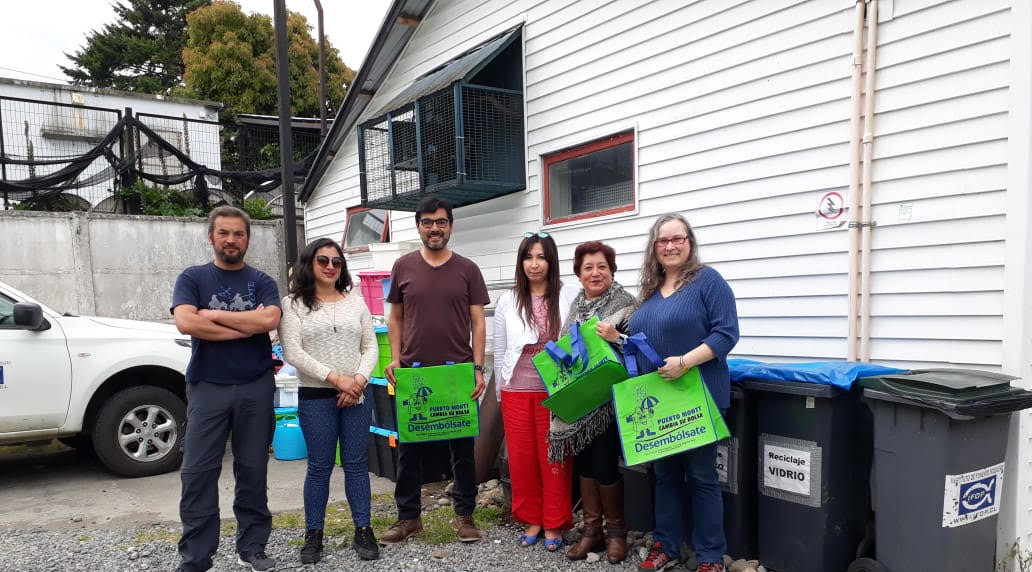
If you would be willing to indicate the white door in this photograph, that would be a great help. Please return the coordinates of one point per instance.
(35, 374)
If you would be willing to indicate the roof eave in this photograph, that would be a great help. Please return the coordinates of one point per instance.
(403, 16)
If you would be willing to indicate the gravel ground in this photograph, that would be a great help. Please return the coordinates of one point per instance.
(151, 546)
(119, 549)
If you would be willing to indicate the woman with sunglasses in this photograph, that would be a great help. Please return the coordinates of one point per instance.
(688, 313)
(327, 334)
(526, 317)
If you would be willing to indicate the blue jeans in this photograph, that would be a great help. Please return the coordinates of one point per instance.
(690, 477)
(324, 425)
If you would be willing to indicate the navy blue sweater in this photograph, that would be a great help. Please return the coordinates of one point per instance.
(702, 311)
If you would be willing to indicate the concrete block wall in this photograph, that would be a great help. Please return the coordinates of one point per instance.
(116, 265)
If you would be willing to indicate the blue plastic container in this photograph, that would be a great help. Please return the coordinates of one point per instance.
(386, 285)
(288, 443)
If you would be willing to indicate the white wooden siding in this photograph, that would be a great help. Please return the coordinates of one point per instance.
(742, 114)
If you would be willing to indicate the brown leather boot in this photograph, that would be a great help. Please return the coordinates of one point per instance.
(616, 528)
(591, 503)
(401, 530)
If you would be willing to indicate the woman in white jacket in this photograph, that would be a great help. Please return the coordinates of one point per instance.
(525, 318)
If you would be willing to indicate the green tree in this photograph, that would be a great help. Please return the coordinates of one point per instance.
(231, 57)
(142, 51)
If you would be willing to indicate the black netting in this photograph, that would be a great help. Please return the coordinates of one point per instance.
(86, 154)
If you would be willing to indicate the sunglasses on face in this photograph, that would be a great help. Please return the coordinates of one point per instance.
(324, 260)
(429, 222)
(537, 234)
(674, 240)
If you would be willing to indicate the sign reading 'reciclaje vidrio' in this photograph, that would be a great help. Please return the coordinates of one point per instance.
(434, 403)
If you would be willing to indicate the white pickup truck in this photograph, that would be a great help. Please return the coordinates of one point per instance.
(113, 386)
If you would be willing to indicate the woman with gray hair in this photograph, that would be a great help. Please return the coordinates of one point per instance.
(688, 313)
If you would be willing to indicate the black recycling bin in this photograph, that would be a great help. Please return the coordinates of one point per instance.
(384, 410)
(386, 442)
(940, 439)
(736, 465)
(813, 474)
(639, 496)
(736, 468)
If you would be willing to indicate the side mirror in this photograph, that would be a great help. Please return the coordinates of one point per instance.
(28, 316)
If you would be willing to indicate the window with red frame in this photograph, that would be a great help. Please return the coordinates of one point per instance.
(590, 180)
(365, 226)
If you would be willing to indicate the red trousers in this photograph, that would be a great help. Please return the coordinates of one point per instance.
(541, 490)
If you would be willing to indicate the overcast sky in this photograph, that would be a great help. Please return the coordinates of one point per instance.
(35, 35)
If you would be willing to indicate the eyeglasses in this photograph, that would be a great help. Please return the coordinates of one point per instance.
(324, 260)
(429, 222)
(537, 234)
(674, 240)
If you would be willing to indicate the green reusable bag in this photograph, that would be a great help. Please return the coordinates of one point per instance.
(434, 403)
(658, 418)
(578, 370)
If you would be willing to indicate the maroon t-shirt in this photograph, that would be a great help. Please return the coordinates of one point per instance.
(435, 302)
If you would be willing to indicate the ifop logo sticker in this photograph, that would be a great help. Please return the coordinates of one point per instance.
(973, 496)
(2, 364)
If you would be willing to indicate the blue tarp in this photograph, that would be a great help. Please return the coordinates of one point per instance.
(837, 373)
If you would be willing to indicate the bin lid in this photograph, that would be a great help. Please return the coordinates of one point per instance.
(965, 392)
(380, 329)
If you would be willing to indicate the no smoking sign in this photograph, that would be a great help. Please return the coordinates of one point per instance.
(831, 211)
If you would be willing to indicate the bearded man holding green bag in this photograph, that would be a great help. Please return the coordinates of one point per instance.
(437, 307)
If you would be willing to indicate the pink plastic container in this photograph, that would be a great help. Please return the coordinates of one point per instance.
(372, 289)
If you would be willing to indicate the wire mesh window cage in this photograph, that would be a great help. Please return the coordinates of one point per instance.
(460, 140)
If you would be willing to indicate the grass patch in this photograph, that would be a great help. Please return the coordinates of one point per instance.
(380, 523)
(383, 498)
(488, 516)
(228, 529)
(338, 520)
(288, 521)
(437, 527)
(161, 534)
(296, 542)
(85, 538)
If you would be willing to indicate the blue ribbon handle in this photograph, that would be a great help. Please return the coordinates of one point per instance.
(639, 343)
(578, 345)
(558, 355)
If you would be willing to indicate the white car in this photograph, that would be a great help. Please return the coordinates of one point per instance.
(114, 386)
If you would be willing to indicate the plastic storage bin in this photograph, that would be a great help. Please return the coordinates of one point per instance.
(372, 289)
(286, 392)
(383, 408)
(386, 284)
(384, 345)
(940, 438)
(386, 443)
(814, 461)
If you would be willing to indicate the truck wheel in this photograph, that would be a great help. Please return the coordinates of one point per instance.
(866, 565)
(138, 431)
